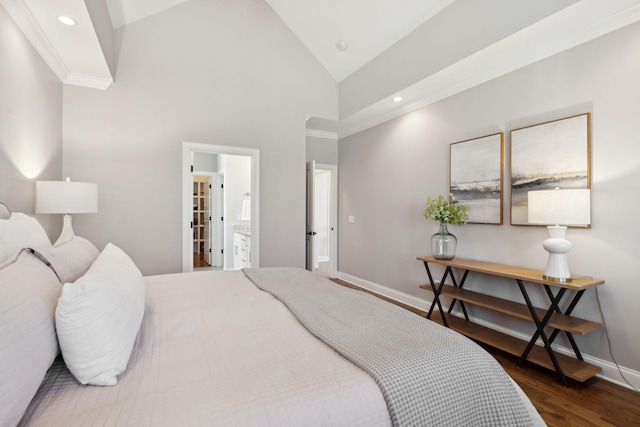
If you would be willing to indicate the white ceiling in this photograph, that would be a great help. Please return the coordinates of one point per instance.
(125, 12)
(73, 53)
(369, 27)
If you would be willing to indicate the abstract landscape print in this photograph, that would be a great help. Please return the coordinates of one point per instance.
(476, 177)
(549, 155)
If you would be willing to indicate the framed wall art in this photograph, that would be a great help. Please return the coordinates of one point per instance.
(476, 177)
(549, 155)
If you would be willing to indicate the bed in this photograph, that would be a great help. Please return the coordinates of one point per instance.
(224, 348)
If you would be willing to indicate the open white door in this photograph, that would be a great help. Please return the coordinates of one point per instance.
(219, 221)
(311, 172)
(326, 216)
(207, 222)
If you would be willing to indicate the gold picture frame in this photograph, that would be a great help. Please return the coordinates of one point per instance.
(476, 177)
(544, 156)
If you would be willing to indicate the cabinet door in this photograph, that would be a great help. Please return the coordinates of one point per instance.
(237, 243)
(243, 256)
(248, 245)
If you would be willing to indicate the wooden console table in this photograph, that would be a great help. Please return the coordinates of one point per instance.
(551, 317)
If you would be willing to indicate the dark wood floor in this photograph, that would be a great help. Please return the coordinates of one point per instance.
(595, 402)
(198, 261)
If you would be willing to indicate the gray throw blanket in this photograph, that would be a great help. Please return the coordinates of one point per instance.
(429, 375)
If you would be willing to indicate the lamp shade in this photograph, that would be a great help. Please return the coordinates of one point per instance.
(560, 207)
(66, 197)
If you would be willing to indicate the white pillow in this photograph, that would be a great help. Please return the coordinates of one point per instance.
(20, 231)
(98, 317)
(29, 292)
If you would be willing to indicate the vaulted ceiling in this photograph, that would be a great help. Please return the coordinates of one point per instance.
(342, 35)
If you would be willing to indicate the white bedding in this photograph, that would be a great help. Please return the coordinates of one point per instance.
(216, 351)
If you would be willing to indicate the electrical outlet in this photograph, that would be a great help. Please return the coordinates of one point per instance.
(351, 219)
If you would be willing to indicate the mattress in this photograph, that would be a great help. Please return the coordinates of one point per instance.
(215, 350)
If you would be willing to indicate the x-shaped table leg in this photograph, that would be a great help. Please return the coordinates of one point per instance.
(436, 293)
(540, 325)
(572, 305)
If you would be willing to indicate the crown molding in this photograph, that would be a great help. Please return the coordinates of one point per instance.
(572, 26)
(20, 13)
(84, 80)
(28, 23)
(322, 134)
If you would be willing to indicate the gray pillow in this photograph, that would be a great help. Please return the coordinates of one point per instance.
(5, 213)
(18, 232)
(29, 292)
(71, 259)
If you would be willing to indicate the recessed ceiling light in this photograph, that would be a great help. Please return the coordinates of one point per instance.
(397, 99)
(66, 20)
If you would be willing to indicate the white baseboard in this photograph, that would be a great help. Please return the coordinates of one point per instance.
(610, 371)
(407, 299)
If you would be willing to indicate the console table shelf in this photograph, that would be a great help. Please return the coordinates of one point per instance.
(573, 368)
(521, 311)
(551, 317)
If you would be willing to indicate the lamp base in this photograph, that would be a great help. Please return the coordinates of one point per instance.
(67, 231)
(557, 266)
(557, 279)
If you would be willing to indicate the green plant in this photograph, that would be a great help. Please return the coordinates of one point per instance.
(442, 211)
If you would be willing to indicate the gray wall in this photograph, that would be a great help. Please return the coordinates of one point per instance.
(205, 162)
(218, 72)
(322, 150)
(101, 20)
(30, 123)
(407, 159)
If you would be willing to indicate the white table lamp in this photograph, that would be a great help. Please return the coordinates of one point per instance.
(558, 209)
(66, 197)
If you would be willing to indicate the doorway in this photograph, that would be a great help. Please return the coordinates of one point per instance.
(233, 173)
(203, 211)
(322, 213)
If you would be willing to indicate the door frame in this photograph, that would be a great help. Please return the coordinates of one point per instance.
(188, 150)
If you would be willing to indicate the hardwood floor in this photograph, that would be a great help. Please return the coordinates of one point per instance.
(198, 261)
(323, 269)
(595, 402)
